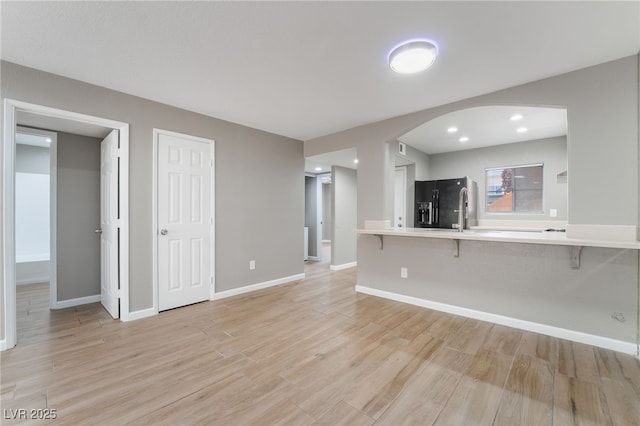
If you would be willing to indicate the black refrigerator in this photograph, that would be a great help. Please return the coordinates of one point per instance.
(436, 203)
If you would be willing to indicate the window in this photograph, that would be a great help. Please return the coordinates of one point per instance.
(514, 189)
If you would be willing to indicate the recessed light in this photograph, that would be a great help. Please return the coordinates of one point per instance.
(413, 56)
(521, 129)
(516, 117)
(355, 161)
(464, 139)
(48, 140)
(318, 169)
(452, 129)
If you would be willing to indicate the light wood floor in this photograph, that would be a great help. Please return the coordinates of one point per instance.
(309, 352)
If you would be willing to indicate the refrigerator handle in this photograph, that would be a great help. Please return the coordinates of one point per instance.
(436, 208)
(430, 212)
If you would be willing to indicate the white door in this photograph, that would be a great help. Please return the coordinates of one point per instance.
(184, 220)
(109, 268)
(400, 196)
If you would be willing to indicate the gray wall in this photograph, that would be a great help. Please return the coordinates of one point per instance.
(311, 212)
(327, 221)
(418, 167)
(78, 216)
(552, 152)
(344, 205)
(602, 151)
(418, 158)
(32, 159)
(524, 281)
(259, 190)
(602, 111)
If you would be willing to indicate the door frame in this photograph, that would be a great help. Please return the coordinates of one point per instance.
(402, 169)
(154, 222)
(11, 108)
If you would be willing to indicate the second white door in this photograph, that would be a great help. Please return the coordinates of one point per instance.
(109, 224)
(185, 221)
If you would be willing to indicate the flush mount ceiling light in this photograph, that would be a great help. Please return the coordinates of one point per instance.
(452, 129)
(413, 56)
(464, 139)
(516, 117)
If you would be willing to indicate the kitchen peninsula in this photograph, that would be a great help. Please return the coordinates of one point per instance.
(580, 289)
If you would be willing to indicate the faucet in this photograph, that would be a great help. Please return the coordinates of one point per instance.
(461, 207)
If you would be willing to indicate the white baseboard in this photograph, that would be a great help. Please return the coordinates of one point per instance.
(562, 333)
(343, 266)
(254, 287)
(142, 313)
(76, 302)
(3, 345)
(314, 258)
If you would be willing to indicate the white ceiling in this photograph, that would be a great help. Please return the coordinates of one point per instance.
(343, 158)
(486, 126)
(306, 69)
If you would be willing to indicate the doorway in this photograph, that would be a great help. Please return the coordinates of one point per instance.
(17, 112)
(400, 198)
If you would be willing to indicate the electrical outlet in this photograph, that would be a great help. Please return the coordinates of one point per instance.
(404, 272)
(252, 265)
(553, 212)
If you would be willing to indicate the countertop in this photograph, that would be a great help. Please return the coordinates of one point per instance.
(539, 237)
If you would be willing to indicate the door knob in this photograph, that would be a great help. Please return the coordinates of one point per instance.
(98, 231)
(163, 232)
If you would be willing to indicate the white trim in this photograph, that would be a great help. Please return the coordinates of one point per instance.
(3, 345)
(143, 313)
(76, 302)
(314, 258)
(404, 171)
(53, 217)
(259, 286)
(154, 225)
(8, 209)
(154, 221)
(123, 199)
(627, 233)
(562, 333)
(343, 266)
(8, 225)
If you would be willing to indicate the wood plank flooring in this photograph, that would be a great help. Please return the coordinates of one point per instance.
(309, 352)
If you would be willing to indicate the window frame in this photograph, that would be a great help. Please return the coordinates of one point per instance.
(514, 212)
